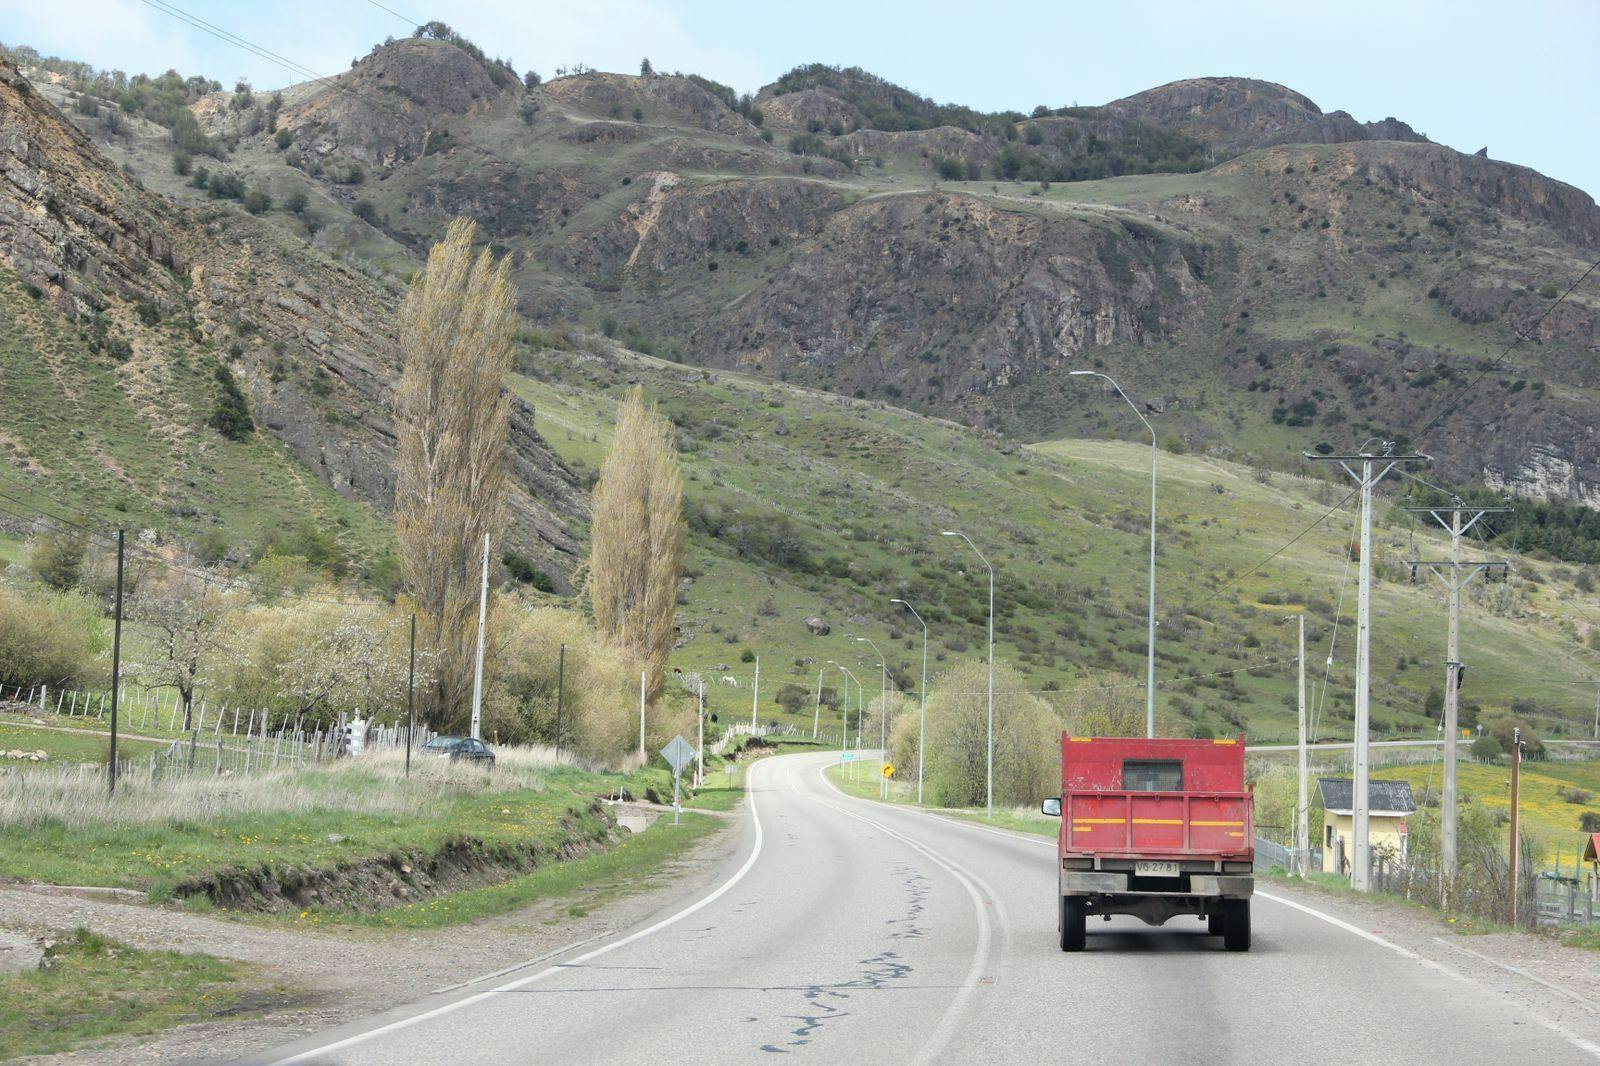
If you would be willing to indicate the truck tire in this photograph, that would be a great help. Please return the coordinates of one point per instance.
(1214, 923)
(1236, 925)
(1073, 923)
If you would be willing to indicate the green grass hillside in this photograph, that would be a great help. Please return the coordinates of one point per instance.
(804, 503)
(126, 437)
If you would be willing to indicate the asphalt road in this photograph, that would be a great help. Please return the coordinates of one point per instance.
(847, 930)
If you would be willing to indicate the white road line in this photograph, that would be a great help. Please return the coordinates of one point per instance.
(1362, 933)
(936, 1042)
(522, 982)
(1520, 972)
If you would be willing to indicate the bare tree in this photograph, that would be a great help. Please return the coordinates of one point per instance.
(636, 538)
(452, 416)
(184, 606)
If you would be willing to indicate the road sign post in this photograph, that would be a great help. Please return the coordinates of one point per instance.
(678, 754)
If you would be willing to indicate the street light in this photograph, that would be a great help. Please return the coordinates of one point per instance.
(1150, 640)
(844, 744)
(989, 770)
(883, 710)
(922, 720)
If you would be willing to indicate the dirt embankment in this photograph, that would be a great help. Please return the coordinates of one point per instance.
(400, 877)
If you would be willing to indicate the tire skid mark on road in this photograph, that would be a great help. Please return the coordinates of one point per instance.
(983, 901)
(881, 969)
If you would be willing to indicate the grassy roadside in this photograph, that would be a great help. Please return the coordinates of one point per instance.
(634, 864)
(866, 786)
(92, 988)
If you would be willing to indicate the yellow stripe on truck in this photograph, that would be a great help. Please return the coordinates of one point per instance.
(1198, 822)
(1111, 821)
(1160, 821)
(1224, 742)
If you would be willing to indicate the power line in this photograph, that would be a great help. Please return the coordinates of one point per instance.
(1520, 335)
(299, 69)
(396, 14)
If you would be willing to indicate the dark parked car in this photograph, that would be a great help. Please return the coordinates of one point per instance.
(464, 749)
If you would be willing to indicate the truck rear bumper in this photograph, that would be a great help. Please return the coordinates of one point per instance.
(1091, 883)
(1107, 893)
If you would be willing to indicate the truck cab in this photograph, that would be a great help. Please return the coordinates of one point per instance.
(1154, 828)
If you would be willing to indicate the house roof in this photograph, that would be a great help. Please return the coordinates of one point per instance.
(1392, 797)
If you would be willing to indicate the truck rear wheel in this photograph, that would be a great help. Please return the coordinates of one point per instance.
(1236, 925)
(1073, 923)
(1214, 923)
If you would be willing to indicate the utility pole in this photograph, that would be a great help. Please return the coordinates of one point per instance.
(816, 715)
(700, 747)
(1302, 819)
(922, 697)
(411, 690)
(483, 618)
(561, 692)
(643, 674)
(116, 663)
(1455, 575)
(1368, 478)
(755, 699)
(1516, 795)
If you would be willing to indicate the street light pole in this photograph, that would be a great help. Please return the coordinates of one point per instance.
(844, 742)
(922, 698)
(988, 786)
(1150, 639)
(883, 713)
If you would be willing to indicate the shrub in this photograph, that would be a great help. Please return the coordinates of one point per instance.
(366, 212)
(257, 202)
(1589, 821)
(296, 202)
(747, 656)
(57, 558)
(231, 416)
(283, 138)
(521, 569)
(49, 638)
(1026, 755)
(1487, 749)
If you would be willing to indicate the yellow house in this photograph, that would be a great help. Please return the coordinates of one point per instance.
(1389, 806)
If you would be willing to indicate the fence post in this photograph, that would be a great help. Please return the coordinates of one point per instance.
(217, 771)
(44, 695)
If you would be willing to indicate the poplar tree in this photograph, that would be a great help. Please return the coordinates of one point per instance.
(636, 539)
(451, 419)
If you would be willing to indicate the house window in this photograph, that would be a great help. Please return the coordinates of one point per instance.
(1327, 836)
(1152, 775)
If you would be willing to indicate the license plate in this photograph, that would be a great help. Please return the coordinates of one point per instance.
(1155, 869)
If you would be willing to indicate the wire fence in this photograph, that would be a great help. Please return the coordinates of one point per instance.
(202, 741)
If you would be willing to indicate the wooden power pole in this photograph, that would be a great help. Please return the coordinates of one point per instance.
(1516, 795)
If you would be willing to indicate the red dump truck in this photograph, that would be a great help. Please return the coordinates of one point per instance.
(1155, 829)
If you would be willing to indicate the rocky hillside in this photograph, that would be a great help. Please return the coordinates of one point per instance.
(138, 293)
(1267, 276)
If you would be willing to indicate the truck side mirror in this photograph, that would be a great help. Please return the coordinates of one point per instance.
(1052, 806)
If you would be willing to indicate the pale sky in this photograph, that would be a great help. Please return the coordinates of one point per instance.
(1520, 76)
